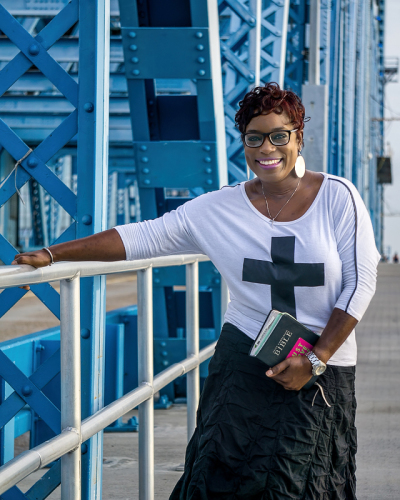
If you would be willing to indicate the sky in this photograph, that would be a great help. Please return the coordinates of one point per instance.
(391, 237)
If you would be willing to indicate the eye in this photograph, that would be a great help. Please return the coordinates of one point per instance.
(254, 138)
(279, 136)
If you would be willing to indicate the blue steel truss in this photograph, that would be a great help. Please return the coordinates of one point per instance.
(31, 47)
(354, 42)
(238, 28)
(33, 107)
(295, 65)
(274, 29)
(34, 51)
(176, 107)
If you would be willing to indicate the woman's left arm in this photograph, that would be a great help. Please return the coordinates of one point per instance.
(357, 250)
(294, 373)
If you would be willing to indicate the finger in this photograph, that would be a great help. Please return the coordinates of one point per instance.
(279, 368)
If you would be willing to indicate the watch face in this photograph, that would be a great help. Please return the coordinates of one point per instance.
(319, 370)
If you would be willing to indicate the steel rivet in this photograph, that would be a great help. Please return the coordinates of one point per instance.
(143, 148)
(133, 47)
(201, 60)
(208, 170)
(209, 182)
(32, 162)
(84, 449)
(88, 107)
(85, 333)
(145, 171)
(34, 49)
(200, 47)
(135, 60)
(251, 77)
(147, 181)
(157, 281)
(199, 34)
(252, 21)
(165, 363)
(206, 148)
(87, 219)
(132, 34)
(207, 159)
(136, 72)
(163, 344)
(26, 390)
(144, 159)
(201, 72)
(164, 353)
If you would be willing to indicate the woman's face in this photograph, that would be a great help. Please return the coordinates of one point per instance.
(268, 162)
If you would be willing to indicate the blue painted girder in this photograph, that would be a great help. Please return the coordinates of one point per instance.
(44, 291)
(35, 165)
(48, 36)
(27, 391)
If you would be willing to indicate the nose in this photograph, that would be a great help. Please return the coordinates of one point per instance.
(267, 147)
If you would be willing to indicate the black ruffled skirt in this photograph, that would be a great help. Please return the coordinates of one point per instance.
(256, 441)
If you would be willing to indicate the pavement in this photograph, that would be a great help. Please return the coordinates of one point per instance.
(378, 416)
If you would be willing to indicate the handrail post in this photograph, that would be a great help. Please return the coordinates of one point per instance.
(145, 371)
(192, 343)
(70, 384)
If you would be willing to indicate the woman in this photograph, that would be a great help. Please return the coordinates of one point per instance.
(295, 241)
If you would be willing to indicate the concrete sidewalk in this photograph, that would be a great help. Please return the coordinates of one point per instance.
(378, 391)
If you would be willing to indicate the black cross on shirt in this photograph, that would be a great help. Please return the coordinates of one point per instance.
(283, 274)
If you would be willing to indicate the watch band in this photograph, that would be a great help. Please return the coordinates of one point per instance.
(318, 366)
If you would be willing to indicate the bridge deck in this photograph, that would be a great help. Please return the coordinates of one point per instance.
(378, 421)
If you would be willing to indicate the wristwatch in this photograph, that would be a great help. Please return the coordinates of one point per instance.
(318, 366)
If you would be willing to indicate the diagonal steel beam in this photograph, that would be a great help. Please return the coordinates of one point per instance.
(34, 51)
(48, 36)
(28, 391)
(35, 165)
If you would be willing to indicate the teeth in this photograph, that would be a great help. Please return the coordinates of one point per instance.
(269, 162)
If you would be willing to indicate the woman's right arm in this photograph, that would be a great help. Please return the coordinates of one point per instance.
(106, 246)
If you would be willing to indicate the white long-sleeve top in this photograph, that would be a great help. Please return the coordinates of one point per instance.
(325, 259)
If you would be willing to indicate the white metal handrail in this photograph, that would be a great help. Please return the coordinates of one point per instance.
(74, 432)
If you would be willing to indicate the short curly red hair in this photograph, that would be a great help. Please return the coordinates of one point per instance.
(270, 99)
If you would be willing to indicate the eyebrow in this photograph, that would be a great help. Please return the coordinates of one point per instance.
(273, 130)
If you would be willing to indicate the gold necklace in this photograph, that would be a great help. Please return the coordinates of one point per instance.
(272, 219)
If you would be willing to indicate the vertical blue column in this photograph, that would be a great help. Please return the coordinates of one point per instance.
(92, 191)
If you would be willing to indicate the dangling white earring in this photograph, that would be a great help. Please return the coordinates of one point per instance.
(300, 166)
(248, 172)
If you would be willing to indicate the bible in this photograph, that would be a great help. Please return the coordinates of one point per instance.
(281, 337)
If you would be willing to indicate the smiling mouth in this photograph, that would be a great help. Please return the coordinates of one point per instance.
(269, 163)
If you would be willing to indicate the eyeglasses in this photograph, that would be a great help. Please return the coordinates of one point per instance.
(277, 138)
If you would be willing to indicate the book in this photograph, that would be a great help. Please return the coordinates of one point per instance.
(281, 337)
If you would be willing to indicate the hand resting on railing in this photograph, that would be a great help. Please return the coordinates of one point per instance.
(106, 246)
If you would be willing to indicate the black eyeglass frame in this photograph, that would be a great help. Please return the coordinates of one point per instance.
(268, 135)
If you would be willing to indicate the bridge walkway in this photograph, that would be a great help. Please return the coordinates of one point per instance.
(378, 420)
